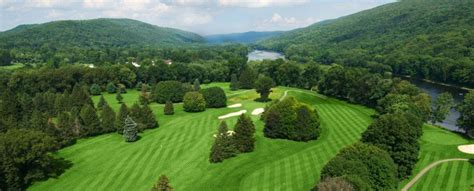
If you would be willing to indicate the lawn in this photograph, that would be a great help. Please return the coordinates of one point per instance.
(180, 148)
(438, 144)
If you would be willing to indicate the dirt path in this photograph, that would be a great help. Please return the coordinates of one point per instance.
(426, 169)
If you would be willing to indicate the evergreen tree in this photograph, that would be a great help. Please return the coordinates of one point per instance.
(90, 123)
(111, 88)
(197, 85)
(144, 95)
(119, 97)
(80, 96)
(107, 119)
(441, 107)
(121, 116)
(65, 125)
(247, 78)
(101, 103)
(95, 89)
(130, 131)
(139, 86)
(244, 134)
(234, 83)
(223, 146)
(135, 113)
(148, 118)
(40, 122)
(169, 110)
(162, 184)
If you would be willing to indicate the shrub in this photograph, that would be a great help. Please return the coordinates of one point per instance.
(194, 102)
(168, 91)
(215, 97)
(169, 109)
(291, 120)
(111, 88)
(95, 89)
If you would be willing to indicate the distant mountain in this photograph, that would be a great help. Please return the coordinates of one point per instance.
(95, 33)
(246, 38)
(430, 39)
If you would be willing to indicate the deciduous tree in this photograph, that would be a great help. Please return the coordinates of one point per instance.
(194, 102)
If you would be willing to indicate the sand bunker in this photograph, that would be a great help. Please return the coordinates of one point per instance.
(233, 114)
(258, 111)
(469, 149)
(235, 105)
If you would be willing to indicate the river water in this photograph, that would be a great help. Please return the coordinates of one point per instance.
(259, 55)
(434, 90)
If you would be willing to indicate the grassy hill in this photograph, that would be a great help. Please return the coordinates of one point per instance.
(431, 39)
(246, 38)
(94, 33)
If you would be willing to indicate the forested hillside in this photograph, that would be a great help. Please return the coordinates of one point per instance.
(96, 33)
(430, 39)
(246, 37)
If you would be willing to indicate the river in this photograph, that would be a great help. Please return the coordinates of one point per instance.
(434, 90)
(259, 55)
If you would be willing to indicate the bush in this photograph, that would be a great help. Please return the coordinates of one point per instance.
(111, 88)
(168, 91)
(169, 109)
(336, 183)
(366, 167)
(291, 120)
(95, 89)
(264, 86)
(215, 97)
(194, 102)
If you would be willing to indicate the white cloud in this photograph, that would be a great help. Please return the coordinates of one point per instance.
(278, 22)
(260, 3)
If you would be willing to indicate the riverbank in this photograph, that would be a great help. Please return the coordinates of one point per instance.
(435, 83)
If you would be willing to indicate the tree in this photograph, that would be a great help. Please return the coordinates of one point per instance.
(121, 116)
(95, 89)
(80, 96)
(466, 108)
(135, 113)
(234, 83)
(197, 85)
(25, 158)
(101, 103)
(119, 97)
(5, 57)
(169, 110)
(263, 86)
(107, 119)
(288, 119)
(130, 131)
(162, 184)
(247, 78)
(144, 95)
(244, 134)
(441, 107)
(311, 75)
(366, 167)
(334, 183)
(90, 123)
(111, 88)
(65, 126)
(194, 102)
(398, 134)
(215, 97)
(148, 118)
(223, 146)
(168, 91)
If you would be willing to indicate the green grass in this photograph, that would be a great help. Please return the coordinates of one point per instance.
(180, 148)
(438, 144)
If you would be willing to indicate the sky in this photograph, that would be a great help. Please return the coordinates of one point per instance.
(204, 17)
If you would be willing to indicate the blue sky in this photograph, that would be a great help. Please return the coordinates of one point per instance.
(200, 16)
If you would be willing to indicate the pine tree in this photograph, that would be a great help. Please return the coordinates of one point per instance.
(65, 126)
(119, 97)
(169, 109)
(197, 85)
(247, 78)
(101, 103)
(107, 119)
(234, 83)
(130, 131)
(90, 123)
(223, 146)
(148, 118)
(121, 116)
(244, 134)
(162, 184)
(135, 113)
(80, 96)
